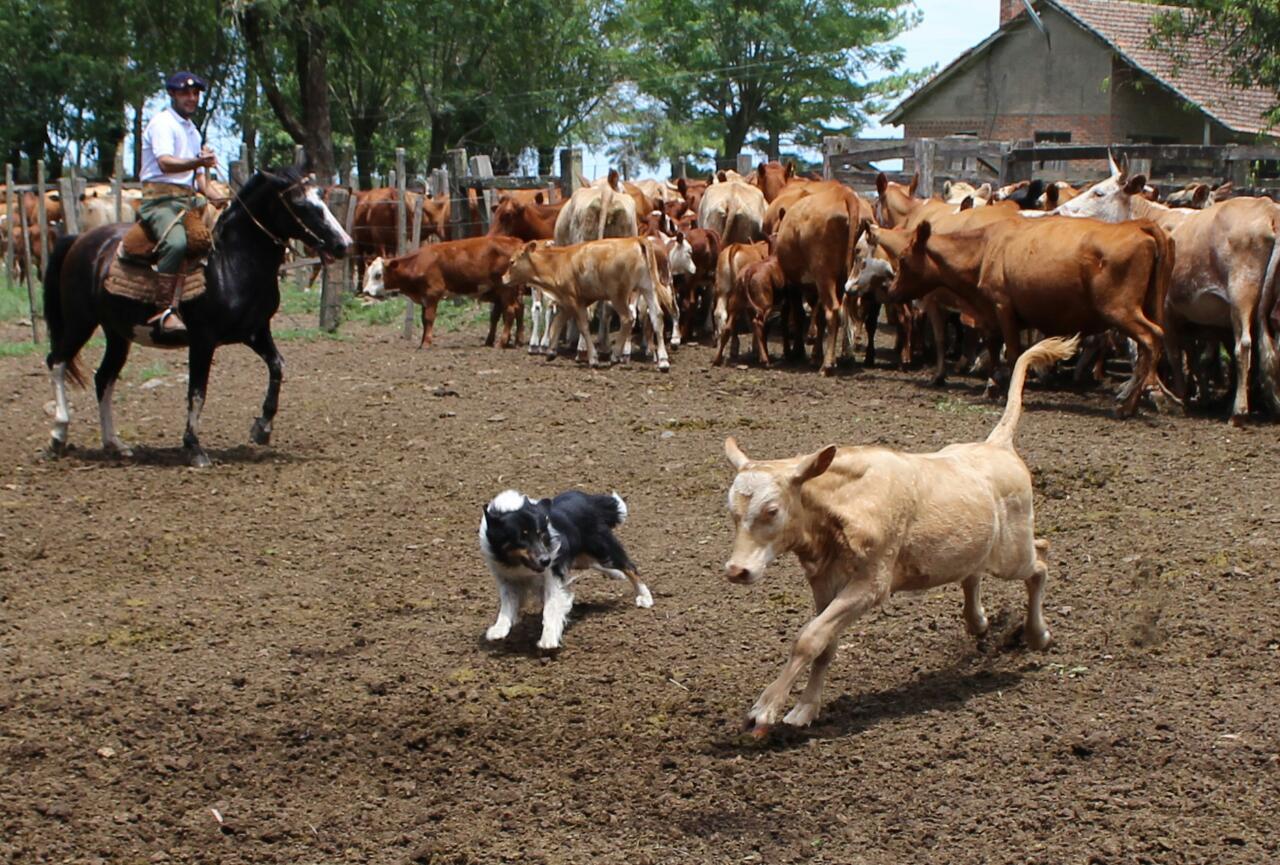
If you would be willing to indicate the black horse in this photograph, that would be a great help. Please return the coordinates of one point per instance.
(242, 294)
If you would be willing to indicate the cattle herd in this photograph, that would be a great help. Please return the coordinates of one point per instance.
(1172, 288)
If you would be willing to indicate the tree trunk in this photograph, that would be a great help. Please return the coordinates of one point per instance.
(362, 132)
(775, 145)
(546, 161)
(137, 141)
(248, 119)
(313, 88)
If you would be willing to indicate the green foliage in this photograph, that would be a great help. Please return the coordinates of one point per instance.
(1245, 34)
(717, 70)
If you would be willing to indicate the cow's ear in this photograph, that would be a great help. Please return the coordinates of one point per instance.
(682, 185)
(882, 183)
(1051, 197)
(791, 170)
(734, 453)
(923, 232)
(967, 204)
(915, 184)
(815, 464)
(946, 189)
(539, 198)
(529, 247)
(613, 179)
(1200, 196)
(782, 211)
(1134, 185)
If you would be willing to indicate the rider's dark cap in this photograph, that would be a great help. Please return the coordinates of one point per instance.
(182, 80)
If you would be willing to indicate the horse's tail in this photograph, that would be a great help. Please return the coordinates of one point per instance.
(53, 313)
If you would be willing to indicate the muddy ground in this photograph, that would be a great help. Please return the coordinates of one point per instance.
(281, 659)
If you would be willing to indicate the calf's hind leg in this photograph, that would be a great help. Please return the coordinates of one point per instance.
(975, 617)
(1034, 631)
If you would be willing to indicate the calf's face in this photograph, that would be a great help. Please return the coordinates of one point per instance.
(764, 502)
(680, 254)
(521, 269)
(374, 278)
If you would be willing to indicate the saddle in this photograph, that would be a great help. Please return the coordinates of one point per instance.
(140, 247)
(138, 282)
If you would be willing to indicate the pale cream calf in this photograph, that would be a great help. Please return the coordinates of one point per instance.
(867, 522)
(613, 270)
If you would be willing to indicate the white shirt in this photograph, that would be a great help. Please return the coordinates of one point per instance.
(169, 134)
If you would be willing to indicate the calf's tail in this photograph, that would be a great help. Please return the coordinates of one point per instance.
(1039, 356)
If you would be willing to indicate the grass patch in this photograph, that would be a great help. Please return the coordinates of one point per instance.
(956, 406)
(21, 349)
(13, 299)
(159, 369)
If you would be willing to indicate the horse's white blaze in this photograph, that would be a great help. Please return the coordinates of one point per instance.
(62, 413)
(313, 198)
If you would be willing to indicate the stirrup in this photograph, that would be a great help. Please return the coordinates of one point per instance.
(167, 321)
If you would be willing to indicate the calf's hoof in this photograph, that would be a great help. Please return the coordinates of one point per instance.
(802, 715)
(1037, 640)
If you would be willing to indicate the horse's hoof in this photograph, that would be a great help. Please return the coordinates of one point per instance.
(198, 460)
(118, 449)
(1238, 420)
(259, 434)
(57, 447)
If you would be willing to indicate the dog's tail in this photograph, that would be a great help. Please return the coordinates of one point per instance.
(1040, 355)
(615, 510)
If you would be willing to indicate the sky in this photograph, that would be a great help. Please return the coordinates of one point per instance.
(949, 27)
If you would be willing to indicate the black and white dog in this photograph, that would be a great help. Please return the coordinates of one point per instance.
(526, 542)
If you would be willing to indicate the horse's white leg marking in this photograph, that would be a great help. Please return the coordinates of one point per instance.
(110, 441)
(62, 414)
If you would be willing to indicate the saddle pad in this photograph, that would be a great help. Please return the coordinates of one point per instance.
(139, 283)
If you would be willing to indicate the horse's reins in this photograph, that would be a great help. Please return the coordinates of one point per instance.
(283, 244)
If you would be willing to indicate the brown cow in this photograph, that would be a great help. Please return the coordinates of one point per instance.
(757, 288)
(695, 291)
(373, 226)
(613, 270)
(1057, 275)
(869, 522)
(733, 257)
(462, 268)
(816, 248)
(773, 177)
(527, 220)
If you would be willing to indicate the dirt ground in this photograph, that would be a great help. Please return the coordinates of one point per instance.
(280, 659)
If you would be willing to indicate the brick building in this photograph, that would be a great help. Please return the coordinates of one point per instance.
(1082, 72)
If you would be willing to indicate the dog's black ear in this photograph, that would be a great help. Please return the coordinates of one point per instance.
(544, 505)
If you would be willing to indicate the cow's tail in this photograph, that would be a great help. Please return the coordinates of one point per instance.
(54, 316)
(1268, 358)
(605, 201)
(1040, 355)
(1157, 292)
(730, 216)
(661, 290)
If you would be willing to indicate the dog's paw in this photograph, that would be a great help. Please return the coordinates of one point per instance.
(547, 644)
(497, 632)
(644, 599)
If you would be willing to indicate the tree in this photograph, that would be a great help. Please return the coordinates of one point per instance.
(800, 67)
(1246, 33)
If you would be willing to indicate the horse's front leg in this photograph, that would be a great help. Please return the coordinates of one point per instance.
(199, 360)
(265, 347)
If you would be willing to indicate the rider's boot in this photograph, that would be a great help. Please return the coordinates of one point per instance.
(167, 322)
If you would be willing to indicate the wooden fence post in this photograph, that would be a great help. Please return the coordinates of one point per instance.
(481, 167)
(925, 151)
(9, 208)
(117, 189)
(30, 269)
(333, 283)
(744, 164)
(43, 216)
(456, 161)
(70, 218)
(570, 170)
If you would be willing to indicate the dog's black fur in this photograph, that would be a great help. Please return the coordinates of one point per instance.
(557, 533)
(528, 542)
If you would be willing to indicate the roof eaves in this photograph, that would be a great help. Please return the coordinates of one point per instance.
(894, 117)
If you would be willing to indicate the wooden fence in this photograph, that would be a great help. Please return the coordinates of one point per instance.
(1002, 162)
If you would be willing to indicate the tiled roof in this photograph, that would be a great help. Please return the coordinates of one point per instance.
(1193, 67)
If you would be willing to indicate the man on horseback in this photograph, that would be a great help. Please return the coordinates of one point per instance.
(174, 168)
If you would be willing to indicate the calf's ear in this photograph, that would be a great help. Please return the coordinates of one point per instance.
(815, 464)
(734, 453)
(1134, 185)
(538, 199)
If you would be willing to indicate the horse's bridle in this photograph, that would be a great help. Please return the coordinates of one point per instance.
(283, 244)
